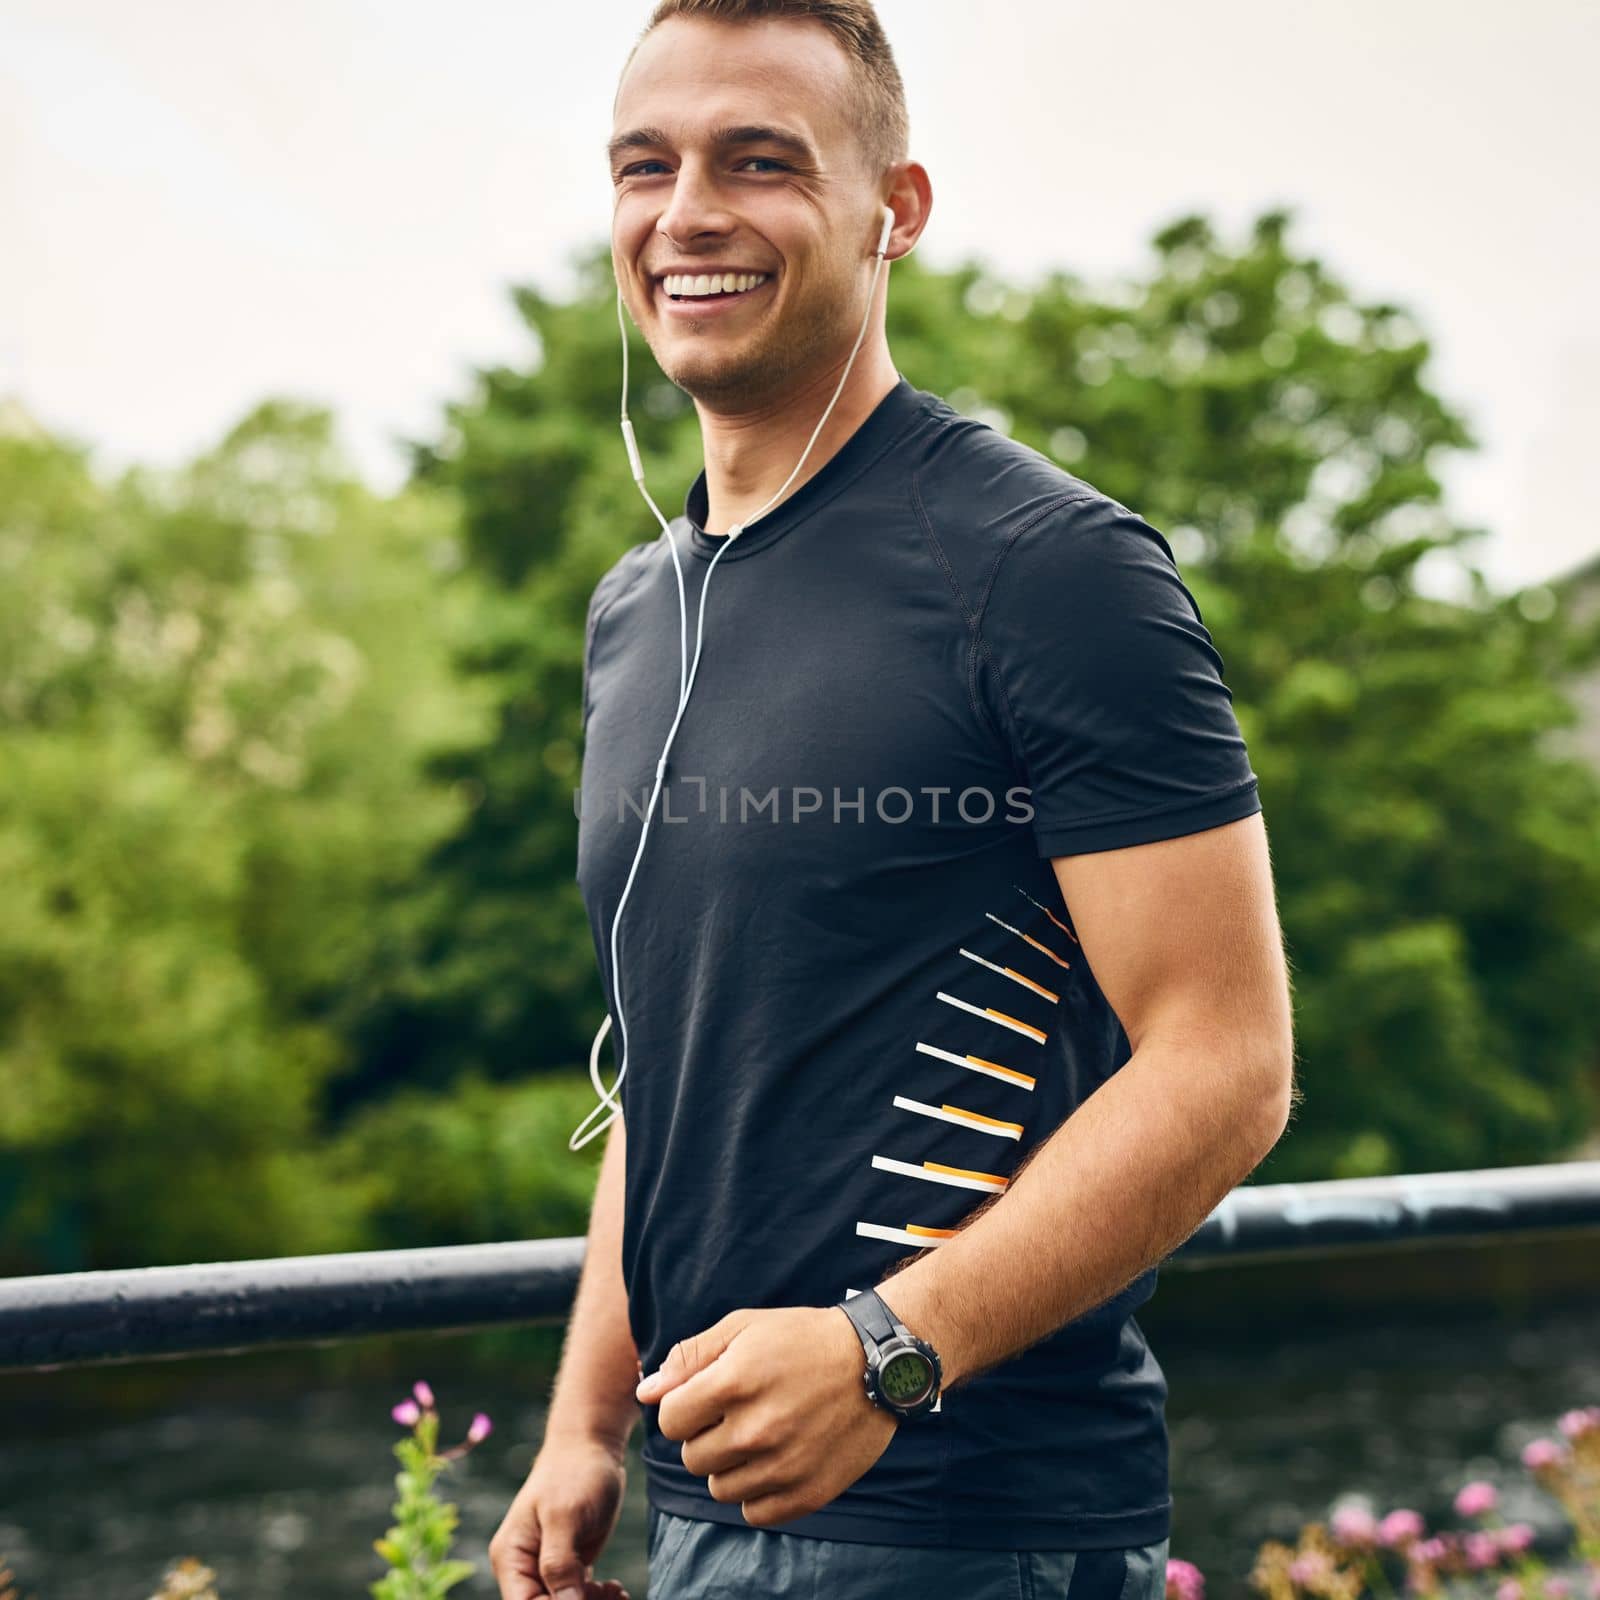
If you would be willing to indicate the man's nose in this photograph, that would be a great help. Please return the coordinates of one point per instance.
(697, 206)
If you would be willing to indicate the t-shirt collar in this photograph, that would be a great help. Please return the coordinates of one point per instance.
(881, 425)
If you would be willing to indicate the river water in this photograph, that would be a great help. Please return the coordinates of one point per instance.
(279, 1474)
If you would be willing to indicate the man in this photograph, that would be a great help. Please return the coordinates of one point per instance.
(952, 982)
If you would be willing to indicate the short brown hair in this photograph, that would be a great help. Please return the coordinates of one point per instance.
(884, 127)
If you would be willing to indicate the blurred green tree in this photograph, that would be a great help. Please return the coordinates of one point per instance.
(1437, 852)
(292, 958)
(218, 687)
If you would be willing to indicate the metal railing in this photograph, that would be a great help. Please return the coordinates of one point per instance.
(80, 1318)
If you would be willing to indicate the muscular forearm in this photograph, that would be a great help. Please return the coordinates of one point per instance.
(593, 1395)
(1119, 1186)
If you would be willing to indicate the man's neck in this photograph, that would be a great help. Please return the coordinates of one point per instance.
(748, 457)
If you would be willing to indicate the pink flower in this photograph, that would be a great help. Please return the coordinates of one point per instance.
(480, 1429)
(1543, 1453)
(423, 1393)
(1185, 1581)
(1509, 1590)
(1310, 1567)
(1515, 1537)
(1476, 1498)
(1558, 1588)
(1355, 1526)
(1428, 1549)
(1482, 1549)
(407, 1413)
(1399, 1527)
(1574, 1424)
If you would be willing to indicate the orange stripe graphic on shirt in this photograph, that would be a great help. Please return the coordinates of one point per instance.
(965, 1172)
(922, 1238)
(1028, 938)
(961, 1117)
(1006, 1021)
(1038, 988)
(1010, 1072)
(1016, 1022)
(1047, 911)
(979, 1063)
(978, 1116)
(1013, 974)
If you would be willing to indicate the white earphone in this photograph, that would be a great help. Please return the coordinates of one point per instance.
(686, 676)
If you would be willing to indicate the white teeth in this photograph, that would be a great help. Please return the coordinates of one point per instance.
(679, 283)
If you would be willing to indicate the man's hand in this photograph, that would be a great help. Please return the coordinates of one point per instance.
(558, 1524)
(771, 1409)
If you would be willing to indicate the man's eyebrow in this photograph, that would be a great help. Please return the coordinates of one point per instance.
(745, 133)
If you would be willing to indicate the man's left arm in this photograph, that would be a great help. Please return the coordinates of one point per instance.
(1182, 936)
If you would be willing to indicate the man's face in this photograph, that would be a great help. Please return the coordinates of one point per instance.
(690, 196)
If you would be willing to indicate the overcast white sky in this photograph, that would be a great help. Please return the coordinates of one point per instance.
(203, 203)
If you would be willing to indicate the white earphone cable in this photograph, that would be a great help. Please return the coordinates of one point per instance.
(686, 676)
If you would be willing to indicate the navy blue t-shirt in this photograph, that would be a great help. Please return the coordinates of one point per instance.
(854, 997)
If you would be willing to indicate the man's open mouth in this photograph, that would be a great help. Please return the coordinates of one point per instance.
(687, 288)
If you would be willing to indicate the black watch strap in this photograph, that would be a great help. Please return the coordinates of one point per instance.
(884, 1337)
(870, 1314)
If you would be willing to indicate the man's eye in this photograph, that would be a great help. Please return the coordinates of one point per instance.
(639, 166)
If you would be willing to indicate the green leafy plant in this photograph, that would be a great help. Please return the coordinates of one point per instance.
(417, 1547)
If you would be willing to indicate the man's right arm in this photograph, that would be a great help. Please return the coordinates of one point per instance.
(593, 1397)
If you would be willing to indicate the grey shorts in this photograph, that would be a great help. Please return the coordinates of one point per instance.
(692, 1559)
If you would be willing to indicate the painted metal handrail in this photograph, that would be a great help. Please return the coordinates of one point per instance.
(79, 1318)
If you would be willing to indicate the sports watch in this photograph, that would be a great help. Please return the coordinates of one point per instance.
(903, 1374)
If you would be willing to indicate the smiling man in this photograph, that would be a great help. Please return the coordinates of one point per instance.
(953, 988)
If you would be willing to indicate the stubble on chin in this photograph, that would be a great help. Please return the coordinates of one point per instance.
(747, 378)
(734, 383)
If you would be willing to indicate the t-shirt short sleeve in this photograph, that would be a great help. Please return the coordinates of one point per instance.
(612, 582)
(597, 602)
(1096, 668)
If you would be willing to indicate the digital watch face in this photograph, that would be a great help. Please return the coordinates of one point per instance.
(905, 1378)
